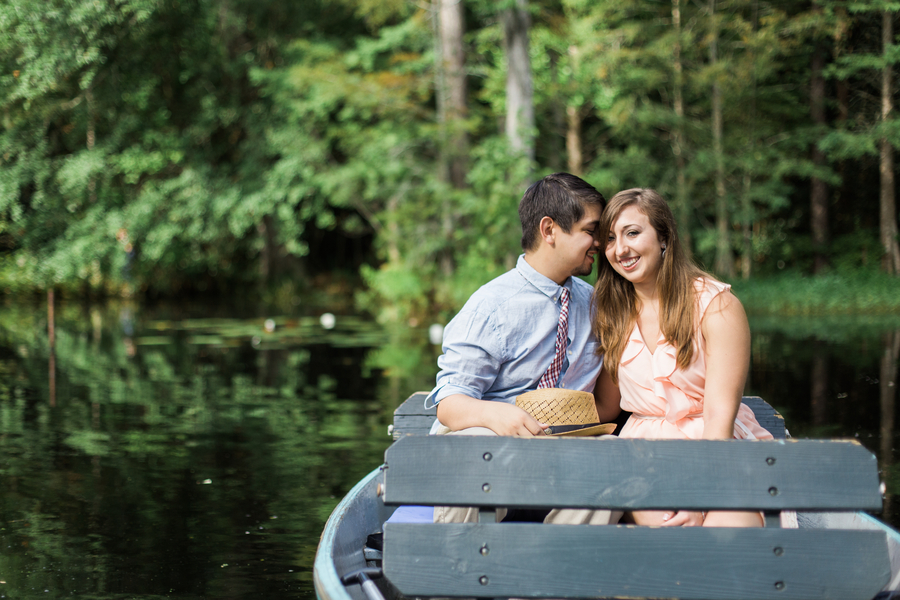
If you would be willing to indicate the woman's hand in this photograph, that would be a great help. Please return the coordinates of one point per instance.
(683, 518)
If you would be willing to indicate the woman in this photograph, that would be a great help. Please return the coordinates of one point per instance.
(675, 340)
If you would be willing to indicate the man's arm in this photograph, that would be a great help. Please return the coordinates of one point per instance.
(459, 411)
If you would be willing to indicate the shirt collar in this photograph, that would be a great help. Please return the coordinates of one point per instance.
(543, 283)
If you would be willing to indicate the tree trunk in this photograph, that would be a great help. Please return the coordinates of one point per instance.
(724, 264)
(91, 140)
(452, 95)
(573, 126)
(573, 140)
(747, 227)
(519, 88)
(450, 91)
(746, 201)
(682, 204)
(818, 196)
(51, 339)
(559, 160)
(890, 262)
(265, 229)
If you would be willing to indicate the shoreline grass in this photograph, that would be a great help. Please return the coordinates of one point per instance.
(858, 293)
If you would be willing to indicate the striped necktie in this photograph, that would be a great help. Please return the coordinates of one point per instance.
(551, 377)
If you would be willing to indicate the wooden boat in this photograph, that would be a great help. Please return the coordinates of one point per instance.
(345, 554)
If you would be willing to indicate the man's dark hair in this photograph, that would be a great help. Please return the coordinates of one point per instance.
(560, 196)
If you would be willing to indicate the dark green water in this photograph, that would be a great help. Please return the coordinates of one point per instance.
(175, 456)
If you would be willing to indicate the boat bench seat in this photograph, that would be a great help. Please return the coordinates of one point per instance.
(416, 415)
(534, 560)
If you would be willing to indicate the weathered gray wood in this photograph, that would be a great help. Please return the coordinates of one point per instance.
(767, 416)
(412, 425)
(631, 473)
(556, 561)
(412, 418)
(415, 405)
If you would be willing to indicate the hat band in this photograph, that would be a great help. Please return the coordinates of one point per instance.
(557, 429)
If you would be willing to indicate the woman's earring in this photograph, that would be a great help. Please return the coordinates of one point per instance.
(664, 251)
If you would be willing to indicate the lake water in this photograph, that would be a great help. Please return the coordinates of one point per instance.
(164, 452)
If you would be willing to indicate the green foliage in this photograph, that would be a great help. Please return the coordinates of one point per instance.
(135, 143)
(158, 146)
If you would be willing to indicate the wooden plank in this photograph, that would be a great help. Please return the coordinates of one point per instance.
(767, 416)
(411, 425)
(412, 418)
(415, 405)
(631, 474)
(556, 561)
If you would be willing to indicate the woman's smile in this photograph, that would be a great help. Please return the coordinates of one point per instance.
(629, 262)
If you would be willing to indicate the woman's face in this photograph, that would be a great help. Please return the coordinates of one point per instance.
(633, 247)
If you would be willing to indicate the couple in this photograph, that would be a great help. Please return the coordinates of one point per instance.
(656, 336)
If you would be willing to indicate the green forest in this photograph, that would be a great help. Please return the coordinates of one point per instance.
(155, 148)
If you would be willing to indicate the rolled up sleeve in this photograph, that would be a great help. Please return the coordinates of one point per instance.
(473, 355)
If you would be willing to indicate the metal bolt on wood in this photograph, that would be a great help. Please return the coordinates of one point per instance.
(486, 487)
(483, 580)
(488, 456)
(485, 550)
(773, 491)
(770, 461)
(778, 551)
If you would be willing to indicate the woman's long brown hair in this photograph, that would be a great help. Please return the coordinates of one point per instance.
(615, 302)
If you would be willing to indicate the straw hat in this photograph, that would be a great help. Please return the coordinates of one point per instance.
(568, 412)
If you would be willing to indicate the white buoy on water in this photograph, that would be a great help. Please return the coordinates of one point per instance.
(436, 333)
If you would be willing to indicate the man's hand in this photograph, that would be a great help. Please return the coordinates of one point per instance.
(508, 419)
(461, 412)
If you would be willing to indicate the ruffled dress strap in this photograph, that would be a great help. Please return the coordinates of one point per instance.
(707, 289)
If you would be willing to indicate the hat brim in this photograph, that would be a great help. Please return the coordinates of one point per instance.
(580, 430)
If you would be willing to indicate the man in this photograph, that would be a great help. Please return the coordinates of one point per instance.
(503, 341)
(528, 328)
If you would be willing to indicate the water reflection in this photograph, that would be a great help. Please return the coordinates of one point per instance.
(833, 378)
(193, 457)
(181, 458)
(888, 398)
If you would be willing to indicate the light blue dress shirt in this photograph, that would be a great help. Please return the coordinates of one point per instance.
(504, 338)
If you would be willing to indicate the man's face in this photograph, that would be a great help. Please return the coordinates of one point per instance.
(579, 247)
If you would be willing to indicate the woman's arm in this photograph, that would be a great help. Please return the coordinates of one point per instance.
(606, 396)
(727, 335)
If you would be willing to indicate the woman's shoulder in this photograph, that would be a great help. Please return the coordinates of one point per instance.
(708, 289)
(707, 284)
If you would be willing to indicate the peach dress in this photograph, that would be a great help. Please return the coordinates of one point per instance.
(667, 402)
